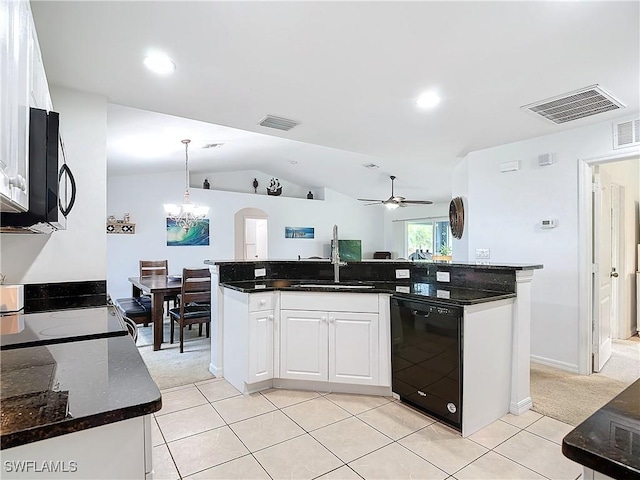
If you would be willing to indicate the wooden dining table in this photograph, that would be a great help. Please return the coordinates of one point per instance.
(157, 287)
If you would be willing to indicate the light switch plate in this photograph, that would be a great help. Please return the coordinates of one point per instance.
(260, 272)
(443, 294)
(403, 289)
(403, 273)
(482, 253)
(442, 276)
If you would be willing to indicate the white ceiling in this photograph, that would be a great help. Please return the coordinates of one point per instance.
(349, 72)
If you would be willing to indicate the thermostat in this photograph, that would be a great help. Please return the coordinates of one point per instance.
(549, 223)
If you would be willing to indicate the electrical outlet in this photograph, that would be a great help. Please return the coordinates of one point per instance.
(482, 253)
(442, 276)
(403, 273)
(260, 272)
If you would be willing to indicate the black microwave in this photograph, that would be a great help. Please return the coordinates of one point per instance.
(52, 188)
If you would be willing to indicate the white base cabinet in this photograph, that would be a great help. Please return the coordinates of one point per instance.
(315, 338)
(248, 337)
(339, 347)
(117, 450)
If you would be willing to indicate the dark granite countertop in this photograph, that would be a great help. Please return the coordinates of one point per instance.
(60, 326)
(416, 290)
(609, 440)
(55, 389)
(487, 266)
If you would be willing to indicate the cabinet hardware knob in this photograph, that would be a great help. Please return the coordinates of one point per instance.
(270, 317)
(324, 319)
(263, 301)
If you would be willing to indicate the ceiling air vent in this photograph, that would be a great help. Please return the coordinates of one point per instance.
(626, 133)
(278, 122)
(574, 105)
(212, 145)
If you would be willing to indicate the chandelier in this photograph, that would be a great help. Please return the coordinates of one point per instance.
(187, 214)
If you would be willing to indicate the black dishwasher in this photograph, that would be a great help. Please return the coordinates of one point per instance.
(426, 357)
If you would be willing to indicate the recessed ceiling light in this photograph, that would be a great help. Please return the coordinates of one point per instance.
(159, 63)
(293, 162)
(370, 166)
(428, 100)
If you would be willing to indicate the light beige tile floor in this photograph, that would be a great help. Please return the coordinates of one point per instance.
(208, 430)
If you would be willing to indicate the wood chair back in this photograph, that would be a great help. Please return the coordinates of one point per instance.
(195, 303)
(152, 268)
(196, 286)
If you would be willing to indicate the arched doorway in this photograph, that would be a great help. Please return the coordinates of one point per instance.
(251, 234)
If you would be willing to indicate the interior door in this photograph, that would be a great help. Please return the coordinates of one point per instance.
(602, 273)
(255, 238)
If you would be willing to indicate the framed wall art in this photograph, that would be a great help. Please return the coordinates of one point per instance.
(196, 235)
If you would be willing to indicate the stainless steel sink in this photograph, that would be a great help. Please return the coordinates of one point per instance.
(330, 285)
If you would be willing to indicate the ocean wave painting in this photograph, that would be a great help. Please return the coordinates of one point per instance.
(197, 235)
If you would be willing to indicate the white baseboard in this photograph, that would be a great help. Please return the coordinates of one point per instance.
(518, 408)
(569, 367)
(215, 371)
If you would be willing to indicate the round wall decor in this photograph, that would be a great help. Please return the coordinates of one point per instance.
(456, 217)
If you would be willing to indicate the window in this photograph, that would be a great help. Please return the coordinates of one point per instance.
(426, 238)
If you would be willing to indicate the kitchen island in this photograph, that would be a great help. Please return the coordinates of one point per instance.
(293, 327)
(72, 394)
(607, 443)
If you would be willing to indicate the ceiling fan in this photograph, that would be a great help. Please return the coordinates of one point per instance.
(395, 201)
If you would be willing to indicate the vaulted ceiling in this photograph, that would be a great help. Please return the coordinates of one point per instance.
(349, 72)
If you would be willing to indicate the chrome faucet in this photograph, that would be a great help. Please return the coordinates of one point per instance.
(335, 256)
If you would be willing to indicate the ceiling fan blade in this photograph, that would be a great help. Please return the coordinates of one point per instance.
(418, 202)
(369, 200)
(402, 204)
(378, 202)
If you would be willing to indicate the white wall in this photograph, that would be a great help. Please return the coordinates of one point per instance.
(626, 174)
(460, 188)
(143, 196)
(79, 252)
(504, 211)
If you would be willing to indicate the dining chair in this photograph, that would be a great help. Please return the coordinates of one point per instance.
(195, 306)
(152, 268)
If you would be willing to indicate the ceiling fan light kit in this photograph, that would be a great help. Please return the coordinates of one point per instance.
(395, 201)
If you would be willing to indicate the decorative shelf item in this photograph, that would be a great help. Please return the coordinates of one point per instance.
(121, 226)
(274, 187)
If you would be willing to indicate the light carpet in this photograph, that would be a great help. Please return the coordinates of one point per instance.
(572, 398)
(170, 368)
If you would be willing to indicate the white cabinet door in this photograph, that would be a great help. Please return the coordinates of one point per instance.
(353, 348)
(260, 346)
(15, 79)
(39, 95)
(303, 345)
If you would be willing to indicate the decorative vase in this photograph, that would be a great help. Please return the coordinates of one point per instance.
(310, 195)
(206, 185)
(255, 185)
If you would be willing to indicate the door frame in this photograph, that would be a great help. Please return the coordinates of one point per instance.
(585, 254)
